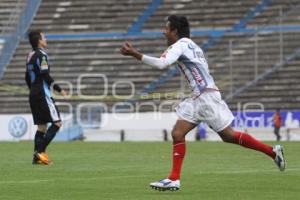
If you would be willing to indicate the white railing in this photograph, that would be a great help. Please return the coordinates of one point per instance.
(243, 58)
(250, 58)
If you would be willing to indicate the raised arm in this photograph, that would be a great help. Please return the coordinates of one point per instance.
(165, 60)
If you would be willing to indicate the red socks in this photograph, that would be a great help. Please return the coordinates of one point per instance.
(248, 141)
(240, 138)
(178, 156)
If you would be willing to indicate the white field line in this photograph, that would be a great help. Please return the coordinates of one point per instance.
(69, 179)
(35, 181)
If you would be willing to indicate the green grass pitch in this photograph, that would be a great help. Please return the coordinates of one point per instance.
(98, 170)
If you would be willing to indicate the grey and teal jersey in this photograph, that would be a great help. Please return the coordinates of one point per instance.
(37, 74)
(192, 63)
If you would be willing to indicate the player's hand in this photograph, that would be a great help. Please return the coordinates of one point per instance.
(128, 50)
(63, 93)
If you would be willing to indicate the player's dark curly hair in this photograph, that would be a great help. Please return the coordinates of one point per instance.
(181, 24)
(34, 37)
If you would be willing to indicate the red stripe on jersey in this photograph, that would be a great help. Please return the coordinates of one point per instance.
(181, 69)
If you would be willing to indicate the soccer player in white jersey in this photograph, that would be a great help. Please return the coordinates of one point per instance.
(205, 104)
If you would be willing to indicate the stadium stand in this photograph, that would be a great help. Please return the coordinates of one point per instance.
(277, 8)
(21, 16)
(232, 66)
(87, 16)
(263, 48)
(83, 57)
(9, 14)
(279, 90)
(202, 14)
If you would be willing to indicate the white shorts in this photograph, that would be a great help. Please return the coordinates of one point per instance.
(209, 108)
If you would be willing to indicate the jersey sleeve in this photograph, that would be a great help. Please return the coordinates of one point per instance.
(170, 56)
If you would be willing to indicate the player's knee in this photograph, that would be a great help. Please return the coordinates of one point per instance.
(177, 135)
(227, 135)
(42, 128)
(58, 124)
(227, 138)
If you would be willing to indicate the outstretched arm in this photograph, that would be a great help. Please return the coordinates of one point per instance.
(128, 50)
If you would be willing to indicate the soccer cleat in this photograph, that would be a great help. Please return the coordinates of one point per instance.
(45, 155)
(37, 161)
(279, 158)
(166, 184)
(41, 158)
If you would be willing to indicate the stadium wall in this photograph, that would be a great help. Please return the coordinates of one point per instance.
(16, 127)
(151, 126)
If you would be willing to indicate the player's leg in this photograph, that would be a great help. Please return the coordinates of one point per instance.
(53, 116)
(246, 140)
(279, 136)
(39, 137)
(37, 105)
(51, 132)
(39, 142)
(42, 140)
(276, 132)
(231, 136)
(219, 117)
(45, 111)
(181, 128)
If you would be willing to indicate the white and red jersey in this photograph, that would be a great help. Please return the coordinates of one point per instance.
(190, 59)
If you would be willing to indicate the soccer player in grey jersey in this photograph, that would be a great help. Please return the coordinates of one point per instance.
(205, 104)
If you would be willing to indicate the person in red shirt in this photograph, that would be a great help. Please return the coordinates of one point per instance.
(277, 124)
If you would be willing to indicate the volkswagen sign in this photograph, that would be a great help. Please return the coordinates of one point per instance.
(17, 127)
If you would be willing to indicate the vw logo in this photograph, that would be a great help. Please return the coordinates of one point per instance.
(17, 127)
